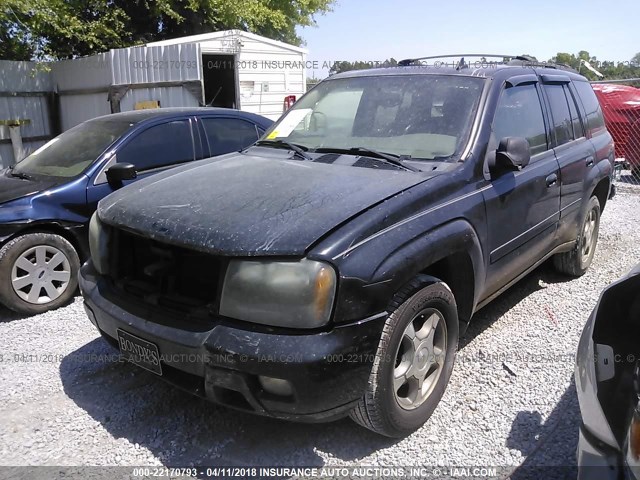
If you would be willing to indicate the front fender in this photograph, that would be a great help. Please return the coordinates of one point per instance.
(370, 294)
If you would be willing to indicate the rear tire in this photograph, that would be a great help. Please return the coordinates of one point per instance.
(397, 402)
(38, 272)
(576, 262)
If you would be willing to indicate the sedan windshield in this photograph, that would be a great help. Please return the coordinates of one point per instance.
(418, 116)
(71, 153)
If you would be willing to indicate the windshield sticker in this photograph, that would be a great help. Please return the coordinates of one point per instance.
(289, 123)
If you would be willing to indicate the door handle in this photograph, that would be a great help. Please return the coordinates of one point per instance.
(590, 161)
(552, 180)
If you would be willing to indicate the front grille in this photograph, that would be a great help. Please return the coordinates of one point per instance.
(174, 278)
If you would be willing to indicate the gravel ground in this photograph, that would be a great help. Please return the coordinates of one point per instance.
(64, 401)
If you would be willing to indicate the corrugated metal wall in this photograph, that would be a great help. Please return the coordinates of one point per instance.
(24, 87)
(83, 85)
(150, 65)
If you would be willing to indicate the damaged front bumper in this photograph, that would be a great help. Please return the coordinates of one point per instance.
(233, 364)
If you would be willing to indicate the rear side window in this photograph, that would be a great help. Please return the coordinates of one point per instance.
(519, 114)
(226, 135)
(595, 119)
(578, 130)
(159, 146)
(562, 123)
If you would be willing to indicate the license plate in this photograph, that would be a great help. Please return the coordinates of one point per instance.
(140, 352)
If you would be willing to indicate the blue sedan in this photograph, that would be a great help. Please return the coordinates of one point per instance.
(47, 199)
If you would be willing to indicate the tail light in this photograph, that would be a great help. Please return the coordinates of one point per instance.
(289, 100)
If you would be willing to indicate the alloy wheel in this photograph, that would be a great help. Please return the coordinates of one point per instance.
(420, 358)
(589, 234)
(41, 274)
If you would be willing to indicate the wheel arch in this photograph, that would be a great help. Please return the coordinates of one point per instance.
(601, 191)
(451, 253)
(72, 235)
(455, 270)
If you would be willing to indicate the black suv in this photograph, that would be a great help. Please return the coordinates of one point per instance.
(330, 269)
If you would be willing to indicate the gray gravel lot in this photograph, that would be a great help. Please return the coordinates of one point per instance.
(61, 403)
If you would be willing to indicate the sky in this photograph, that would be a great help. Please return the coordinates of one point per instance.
(374, 30)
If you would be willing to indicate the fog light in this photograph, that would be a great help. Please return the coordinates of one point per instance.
(276, 386)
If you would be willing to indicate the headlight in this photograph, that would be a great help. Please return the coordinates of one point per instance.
(295, 294)
(98, 244)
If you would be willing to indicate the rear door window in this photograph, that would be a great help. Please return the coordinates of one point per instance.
(595, 119)
(226, 135)
(562, 122)
(162, 145)
(578, 129)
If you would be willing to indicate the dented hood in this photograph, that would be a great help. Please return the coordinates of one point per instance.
(251, 205)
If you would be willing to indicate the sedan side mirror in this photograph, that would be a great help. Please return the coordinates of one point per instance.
(513, 154)
(120, 172)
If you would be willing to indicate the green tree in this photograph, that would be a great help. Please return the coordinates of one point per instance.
(56, 29)
(13, 45)
(611, 70)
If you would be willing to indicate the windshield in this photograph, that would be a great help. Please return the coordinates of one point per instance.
(69, 154)
(421, 116)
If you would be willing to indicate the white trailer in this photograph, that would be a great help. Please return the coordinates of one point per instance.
(246, 71)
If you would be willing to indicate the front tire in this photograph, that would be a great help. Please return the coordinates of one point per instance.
(38, 272)
(577, 261)
(414, 360)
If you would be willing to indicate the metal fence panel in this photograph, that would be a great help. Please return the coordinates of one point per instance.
(82, 84)
(25, 77)
(82, 73)
(620, 102)
(137, 66)
(167, 96)
(75, 109)
(25, 89)
(171, 63)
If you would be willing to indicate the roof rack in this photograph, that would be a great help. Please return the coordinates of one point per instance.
(505, 60)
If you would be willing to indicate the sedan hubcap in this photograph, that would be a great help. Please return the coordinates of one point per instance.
(41, 274)
(420, 358)
(588, 234)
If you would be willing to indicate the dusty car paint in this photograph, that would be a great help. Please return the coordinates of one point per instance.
(241, 196)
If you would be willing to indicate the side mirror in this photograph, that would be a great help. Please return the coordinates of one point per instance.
(513, 154)
(120, 172)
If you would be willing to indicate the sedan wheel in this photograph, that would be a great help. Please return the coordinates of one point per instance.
(41, 274)
(38, 272)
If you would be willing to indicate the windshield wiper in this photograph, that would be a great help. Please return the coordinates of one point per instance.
(391, 158)
(21, 175)
(299, 150)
